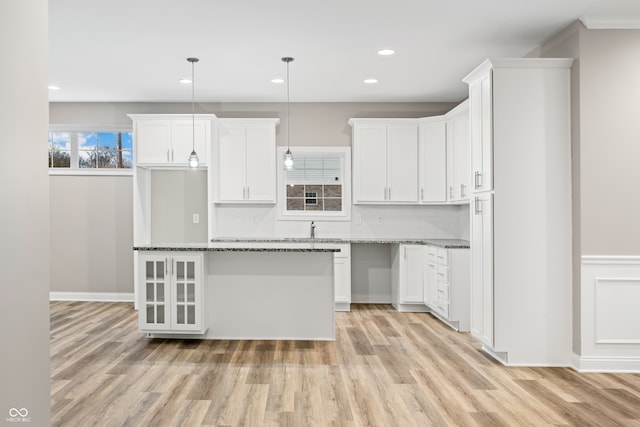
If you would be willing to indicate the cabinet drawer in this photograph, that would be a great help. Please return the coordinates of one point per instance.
(443, 309)
(443, 292)
(443, 274)
(443, 256)
(432, 254)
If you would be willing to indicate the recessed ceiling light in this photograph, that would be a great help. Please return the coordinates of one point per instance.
(277, 80)
(53, 87)
(185, 81)
(386, 52)
(371, 81)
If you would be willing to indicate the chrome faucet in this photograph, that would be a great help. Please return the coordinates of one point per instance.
(313, 230)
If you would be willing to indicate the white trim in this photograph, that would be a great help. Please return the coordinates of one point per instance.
(92, 296)
(610, 23)
(59, 127)
(608, 338)
(90, 172)
(609, 260)
(605, 364)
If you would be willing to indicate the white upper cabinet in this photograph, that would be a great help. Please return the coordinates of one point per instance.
(246, 154)
(481, 129)
(433, 161)
(458, 158)
(168, 139)
(385, 161)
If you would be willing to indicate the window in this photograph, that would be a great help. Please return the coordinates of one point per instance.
(319, 185)
(76, 150)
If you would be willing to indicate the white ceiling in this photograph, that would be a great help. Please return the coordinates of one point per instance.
(136, 50)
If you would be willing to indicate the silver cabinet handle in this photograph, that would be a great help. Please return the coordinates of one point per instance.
(172, 154)
(422, 193)
(477, 209)
(451, 191)
(244, 193)
(389, 193)
(168, 155)
(166, 266)
(462, 188)
(477, 180)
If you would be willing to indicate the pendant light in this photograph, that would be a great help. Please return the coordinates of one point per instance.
(193, 158)
(288, 157)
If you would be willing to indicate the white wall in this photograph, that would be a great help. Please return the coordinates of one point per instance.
(24, 216)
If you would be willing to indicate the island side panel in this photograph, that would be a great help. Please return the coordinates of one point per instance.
(270, 295)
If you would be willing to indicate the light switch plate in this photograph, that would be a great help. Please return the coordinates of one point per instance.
(196, 218)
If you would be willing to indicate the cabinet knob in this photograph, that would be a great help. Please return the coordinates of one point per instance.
(462, 190)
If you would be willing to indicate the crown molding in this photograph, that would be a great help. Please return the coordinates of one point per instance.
(610, 23)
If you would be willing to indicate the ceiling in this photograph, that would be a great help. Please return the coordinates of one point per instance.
(136, 50)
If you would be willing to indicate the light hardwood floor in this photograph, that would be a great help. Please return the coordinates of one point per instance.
(384, 369)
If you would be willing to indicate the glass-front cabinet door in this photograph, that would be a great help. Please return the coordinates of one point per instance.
(154, 305)
(187, 293)
(172, 293)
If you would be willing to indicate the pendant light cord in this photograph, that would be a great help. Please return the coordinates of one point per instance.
(193, 107)
(288, 121)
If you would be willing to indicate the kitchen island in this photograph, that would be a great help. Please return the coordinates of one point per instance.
(226, 291)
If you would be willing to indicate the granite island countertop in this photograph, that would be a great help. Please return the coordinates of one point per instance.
(443, 243)
(213, 247)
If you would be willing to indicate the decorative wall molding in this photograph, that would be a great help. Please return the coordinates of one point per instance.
(610, 23)
(92, 296)
(609, 315)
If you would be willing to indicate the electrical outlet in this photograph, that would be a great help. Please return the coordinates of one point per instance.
(196, 218)
(380, 220)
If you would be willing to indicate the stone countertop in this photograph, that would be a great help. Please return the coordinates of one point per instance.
(204, 247)
(443, 243)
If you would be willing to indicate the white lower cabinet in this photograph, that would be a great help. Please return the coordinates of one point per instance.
(447, 285)
(407, 276)
(342, 278)
(172, 292)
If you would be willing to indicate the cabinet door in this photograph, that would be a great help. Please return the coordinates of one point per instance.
(153, 305)
(342, 278)
(482, 325)
(402, 163)
(260, 163)
(480, 110)
(232, 163)
(186, 293)
(182, 140)
(412, 274)
(460, 140)
(153, 141)
(431, 279)
(370, 163)
(433, 162)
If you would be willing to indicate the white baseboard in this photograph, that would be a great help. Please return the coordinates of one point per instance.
(92, 296)
(605, 364)
(370, 299)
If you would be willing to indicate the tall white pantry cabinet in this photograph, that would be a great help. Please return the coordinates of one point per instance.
(521, 209)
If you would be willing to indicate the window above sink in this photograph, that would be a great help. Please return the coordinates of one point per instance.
(318, 186)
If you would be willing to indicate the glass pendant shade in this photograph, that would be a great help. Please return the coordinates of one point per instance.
(288, 160)
(194, 162)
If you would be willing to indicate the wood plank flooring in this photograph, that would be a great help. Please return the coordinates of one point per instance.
(384, 369)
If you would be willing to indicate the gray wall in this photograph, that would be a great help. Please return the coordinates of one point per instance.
(605, 144)
(91, 233)
(175, 197)
(98, 259)
(24, 217)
